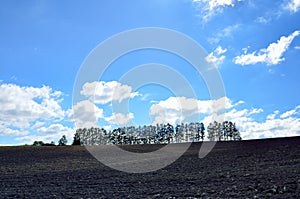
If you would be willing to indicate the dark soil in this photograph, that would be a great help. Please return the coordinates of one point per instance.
(244, 169)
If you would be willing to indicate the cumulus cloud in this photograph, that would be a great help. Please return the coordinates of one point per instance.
(105, 92)
(216, 56)
(293, 6)
(55, 128)
(271, 55)
(22, 106)
(9, 131)
(49, 133)
(25, 112)
(276, 127)
(210, 8)
(119, 118)
(47, 138)
(176, 109)
(275, 124)
(86, 114)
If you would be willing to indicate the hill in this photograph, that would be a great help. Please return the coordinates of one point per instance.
(253, 169)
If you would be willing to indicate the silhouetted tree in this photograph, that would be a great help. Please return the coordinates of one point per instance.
(49, 144)
(38, 143)
(200, 131)
(62, 141)
(235, 133)
(77, 140)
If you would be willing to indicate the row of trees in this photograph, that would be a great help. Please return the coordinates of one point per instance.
(223, 131)
(161, 133)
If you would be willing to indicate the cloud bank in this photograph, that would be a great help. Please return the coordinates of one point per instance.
(176, 109)
(27, 111)
(35, 113)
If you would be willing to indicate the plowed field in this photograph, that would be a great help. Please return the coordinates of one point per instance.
(267, 168)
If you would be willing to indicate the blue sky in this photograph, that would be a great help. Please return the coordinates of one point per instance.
(255, 45)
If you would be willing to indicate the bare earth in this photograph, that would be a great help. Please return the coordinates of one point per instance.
(246, 169)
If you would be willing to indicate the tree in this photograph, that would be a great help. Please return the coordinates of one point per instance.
(62, 141)
(214, 131)
(235, 133)
(49, 144)
(200, 131)
(77, 140)
(38, 143)
(221, 132)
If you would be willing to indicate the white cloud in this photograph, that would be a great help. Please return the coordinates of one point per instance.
(273, 115)
(105, 92)
(271, 127)
(239, 103)
(271, 55)
(176, 109)
(119, 118)
(22, 107)
(293, 6)
(210, 8)
(256, 111)
(288, 113)
(297, 47)
(50, 133)
(248, 59)
(29, 139)
(216, 56)
(86, 114)
(54, 128)
(8, 131)
(289, 126)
